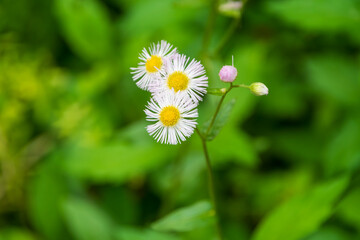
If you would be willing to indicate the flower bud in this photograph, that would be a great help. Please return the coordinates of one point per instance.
(259, 89)
(231, 9)
(228, 73)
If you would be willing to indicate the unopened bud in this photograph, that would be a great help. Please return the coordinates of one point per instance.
(231, 9)
(228, 73)
(259, 89)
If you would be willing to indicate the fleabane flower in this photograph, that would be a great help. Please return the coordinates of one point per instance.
(152, 62)
(185, 77)
(174, 116)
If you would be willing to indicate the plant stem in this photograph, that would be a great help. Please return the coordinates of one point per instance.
(217, 110)
(208, 163)
(206, 153)
(207, 158)
(210, 26)
(211, 183)
(230, 31)
(241, 85)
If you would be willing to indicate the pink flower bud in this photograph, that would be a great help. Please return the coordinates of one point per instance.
(228, 73)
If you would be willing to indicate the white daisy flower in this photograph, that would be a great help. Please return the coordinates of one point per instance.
(174, 117)
(180, 75)
(152, 61)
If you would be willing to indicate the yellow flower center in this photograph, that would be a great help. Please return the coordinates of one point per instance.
(153, 64)
(169, 116)
(178, 81)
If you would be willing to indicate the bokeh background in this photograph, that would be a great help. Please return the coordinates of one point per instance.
(77, 163)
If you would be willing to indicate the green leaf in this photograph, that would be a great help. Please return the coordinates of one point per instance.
(116, 162)
(342, 152)
(186, 190)
(220, 120)
(335, 77)
(130, 233)
(328, 15)
(85, 221)
(86, 27)
(136, 153)
(46, 191)
(349, 209)
(185, 219)
(233, 145)
(16, 234)
(330, 233)
(291, 143)
(302, 214)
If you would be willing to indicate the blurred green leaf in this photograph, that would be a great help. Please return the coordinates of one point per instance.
(116, 162)
(119, 161)
(125, 213)
(301, 215)
(342, 152)
(206, 233)
(86, 27)
(274, 187)
(335, 77)
(191, 3)
(175, 181)
(349, 209)
(220, 120)
(131, 233)
(233, 145)
(291, 143)
(94, 82)
(16, 234)
(46, 193)
(175, 27)
(188, 218)
(330, 233)
(287, 96)
(85, 221)
(323, 15)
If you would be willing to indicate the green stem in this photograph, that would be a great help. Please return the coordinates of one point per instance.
(211, 183)
(206, 153)
(217, 110)
(208, 163)
(210, 26)
(241, 85)
(230, 31)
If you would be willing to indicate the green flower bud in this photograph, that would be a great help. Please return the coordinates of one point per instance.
(259, 89)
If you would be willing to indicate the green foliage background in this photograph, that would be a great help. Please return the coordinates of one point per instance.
(77, 163)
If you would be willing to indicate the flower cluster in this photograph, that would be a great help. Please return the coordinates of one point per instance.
(176, 84)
